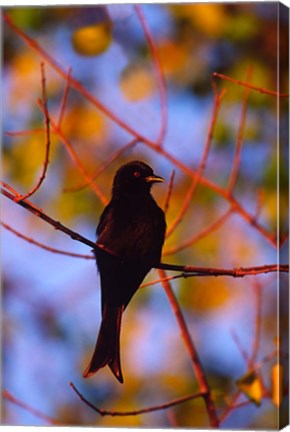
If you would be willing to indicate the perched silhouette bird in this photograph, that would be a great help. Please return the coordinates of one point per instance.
(130, 238)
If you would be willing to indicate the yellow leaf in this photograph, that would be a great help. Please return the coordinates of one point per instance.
(92, 40)
(277, 384)
(137, 82)
(250, 384)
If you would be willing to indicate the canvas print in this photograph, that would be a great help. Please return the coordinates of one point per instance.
(144, 219)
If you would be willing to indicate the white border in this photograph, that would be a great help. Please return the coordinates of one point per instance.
(13, 3)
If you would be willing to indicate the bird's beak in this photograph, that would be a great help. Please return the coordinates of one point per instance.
(154, 179)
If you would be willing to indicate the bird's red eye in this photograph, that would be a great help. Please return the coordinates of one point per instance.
(137, 174)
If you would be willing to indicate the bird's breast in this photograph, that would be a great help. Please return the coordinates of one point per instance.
(134, 230)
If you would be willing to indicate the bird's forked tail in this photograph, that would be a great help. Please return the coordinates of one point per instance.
(107, 349)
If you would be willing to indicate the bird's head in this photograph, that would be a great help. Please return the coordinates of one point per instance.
(134, 177)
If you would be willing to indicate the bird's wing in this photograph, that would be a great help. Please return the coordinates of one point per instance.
(104, 219)
(132, 232)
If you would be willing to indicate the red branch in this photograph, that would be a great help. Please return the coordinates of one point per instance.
(237, 157)
(39, 213)
(46, 158)
(73, 83)
(24, 132)
(250, 86)
(104, 166)
(241, 349)
(197, 366)
(218, 97)
(230, 406)
(159, 74)
(78, 162)
(64, 99)
(237, 207)
(169, 191)
(42, 246)
(10, 193)
(9, 396)
(201, 234)
(147, 410)
(250, 360)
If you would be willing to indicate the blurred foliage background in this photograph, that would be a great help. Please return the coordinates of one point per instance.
(51, 309)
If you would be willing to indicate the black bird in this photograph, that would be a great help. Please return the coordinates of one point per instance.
(130, 238)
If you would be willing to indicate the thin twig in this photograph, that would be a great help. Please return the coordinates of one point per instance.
(273, 355)
(201, 234)
(104, 166)
(260, 201)
(64, 99)
(251, 220)
(169, 192)
(258, 320)
(147, 410)
(230, 406)
(218, 97)
(195, 361)
(12, 190)
(39, 213)
(252, 87)
(249, 360)
(157, 281)
(271, 238)
(283, 239)
(159, 74)
(42, 246)
(187, 271)
(25, 132)
(73, 83)
(78, 162)
(47, 146)
(9, 396)
(242, 351)
(239, 143)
